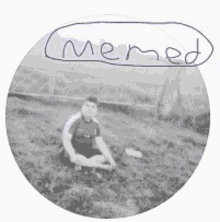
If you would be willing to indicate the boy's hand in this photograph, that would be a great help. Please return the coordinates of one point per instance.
(73, 159)
(113, 164)
(107, 167)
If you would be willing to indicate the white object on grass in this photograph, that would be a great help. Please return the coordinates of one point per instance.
(133, 153)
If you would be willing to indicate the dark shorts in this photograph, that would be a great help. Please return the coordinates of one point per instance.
(64, 158)
(87, 152)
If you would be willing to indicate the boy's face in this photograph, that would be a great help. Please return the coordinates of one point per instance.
(89, 109)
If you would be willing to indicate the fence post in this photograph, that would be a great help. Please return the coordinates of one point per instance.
(169, 97)
(52, 83)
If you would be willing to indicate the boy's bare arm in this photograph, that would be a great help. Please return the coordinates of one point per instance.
(67, 138)
(105, 151)
(68, 146)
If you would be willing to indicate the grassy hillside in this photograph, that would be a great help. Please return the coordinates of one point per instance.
(123, 85)
(170, 156)
(109, 88)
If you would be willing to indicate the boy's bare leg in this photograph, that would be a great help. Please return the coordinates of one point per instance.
(92, 162)
(98, 159)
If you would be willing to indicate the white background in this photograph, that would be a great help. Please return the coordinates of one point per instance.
(23, 23)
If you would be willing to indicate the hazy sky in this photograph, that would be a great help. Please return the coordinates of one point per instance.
(191, 79)
(146, 36)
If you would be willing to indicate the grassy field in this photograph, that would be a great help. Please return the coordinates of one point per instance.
(170, 156)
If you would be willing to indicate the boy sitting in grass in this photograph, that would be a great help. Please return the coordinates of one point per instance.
(81, 134)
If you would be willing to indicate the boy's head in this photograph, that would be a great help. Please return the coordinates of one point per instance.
(90, 107)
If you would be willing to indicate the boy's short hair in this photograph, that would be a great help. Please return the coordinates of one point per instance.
(92, 99)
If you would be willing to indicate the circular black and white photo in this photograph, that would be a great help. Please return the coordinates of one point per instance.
(110, 119)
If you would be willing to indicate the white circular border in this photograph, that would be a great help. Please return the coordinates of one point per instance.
(26, 22)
